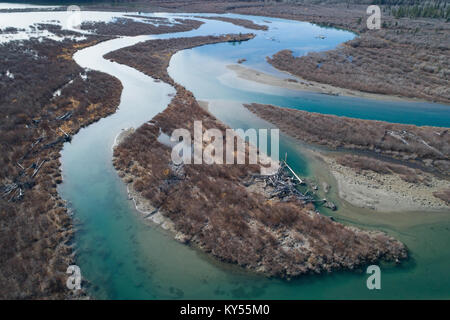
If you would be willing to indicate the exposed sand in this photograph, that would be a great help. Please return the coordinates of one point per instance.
(305, 85)
(385, 192)
(121, 136)
(148, 211)
(204, 105)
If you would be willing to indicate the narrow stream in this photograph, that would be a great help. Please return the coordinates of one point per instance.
(122, 257)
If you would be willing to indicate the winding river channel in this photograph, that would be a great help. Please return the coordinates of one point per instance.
(123, 257)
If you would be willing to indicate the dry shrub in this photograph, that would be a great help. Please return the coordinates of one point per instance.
(404, 142)
(211, 206)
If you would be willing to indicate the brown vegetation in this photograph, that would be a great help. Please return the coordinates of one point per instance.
(212, 208)
(361, 163)
(129, 27)
(443, 195)
(42, 109)
(153, 57)
(427, 146)
(407, 57)
(45, 99)
(239, 22)
(36, 228)
(239, 228)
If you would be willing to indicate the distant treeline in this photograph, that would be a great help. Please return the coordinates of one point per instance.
(379, 2)
(417, 8)
(396, 8)
(409, 2)
(423, 11)
(405, 3)
(69, 2)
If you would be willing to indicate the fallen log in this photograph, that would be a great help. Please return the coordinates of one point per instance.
(65, 116)
(38, 168)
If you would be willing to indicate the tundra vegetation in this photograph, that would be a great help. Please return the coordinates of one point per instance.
(129, 27)
(211, 206)
(406, 57)
(413, 153)
(45, 99)
(363, 163)
(409, 56)
(240, 22)
(428, 147)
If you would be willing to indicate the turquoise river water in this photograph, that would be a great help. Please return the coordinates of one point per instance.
(123, 257)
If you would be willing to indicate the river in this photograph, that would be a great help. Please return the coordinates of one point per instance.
(123, 257)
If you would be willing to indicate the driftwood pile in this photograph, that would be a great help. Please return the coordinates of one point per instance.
(283, 185)
(15, 190)
(174, 174)
(177, 171)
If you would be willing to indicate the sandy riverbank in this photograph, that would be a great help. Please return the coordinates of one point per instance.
(385, 192)
(306, 85)
(121, 136)
(148, 211)
(204, 105)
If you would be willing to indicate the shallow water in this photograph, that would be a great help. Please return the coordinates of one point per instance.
(124, 258)
(214, 81)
